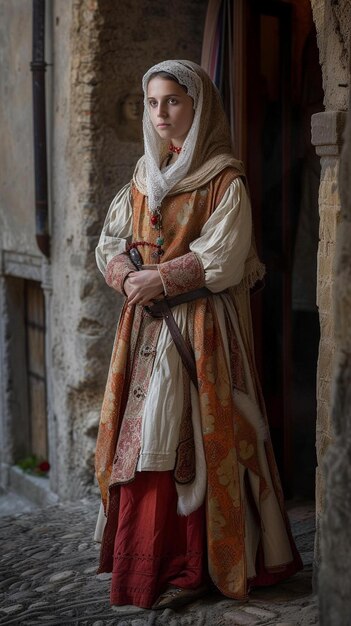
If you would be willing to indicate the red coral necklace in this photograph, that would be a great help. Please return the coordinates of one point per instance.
(174, 149)
(156, 223)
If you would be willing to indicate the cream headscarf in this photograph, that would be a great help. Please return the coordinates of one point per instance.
(207, 149)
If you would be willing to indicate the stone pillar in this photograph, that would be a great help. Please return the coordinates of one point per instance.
(335, 534)
(327, 128)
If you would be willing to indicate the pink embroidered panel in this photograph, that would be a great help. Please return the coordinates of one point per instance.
(182, 274)
(117, 271)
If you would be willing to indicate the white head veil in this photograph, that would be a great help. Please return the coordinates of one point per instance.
(159, 183)
(207, 149)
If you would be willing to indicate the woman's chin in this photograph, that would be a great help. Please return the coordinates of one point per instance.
(164, 133)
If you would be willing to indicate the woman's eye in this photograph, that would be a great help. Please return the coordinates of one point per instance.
(172, 101)
(153, 103)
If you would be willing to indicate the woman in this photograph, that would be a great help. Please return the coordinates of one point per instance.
(187, 474)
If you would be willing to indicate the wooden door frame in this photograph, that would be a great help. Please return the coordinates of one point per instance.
(241, 77)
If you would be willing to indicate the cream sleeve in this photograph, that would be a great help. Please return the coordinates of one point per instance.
(225, 239)
(117, 229)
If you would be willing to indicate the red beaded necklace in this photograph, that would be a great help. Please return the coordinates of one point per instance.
(174, 149)
(156, 223)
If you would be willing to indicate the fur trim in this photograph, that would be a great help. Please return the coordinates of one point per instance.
(191, 496)
(251, 411)
(100, 525)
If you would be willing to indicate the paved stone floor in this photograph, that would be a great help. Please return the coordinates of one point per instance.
(47, 576)
(11, 504)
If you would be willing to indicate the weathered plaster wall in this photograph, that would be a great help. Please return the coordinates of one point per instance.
(109, 48)
(17, 225)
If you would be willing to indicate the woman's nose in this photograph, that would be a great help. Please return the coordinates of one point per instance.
(161, 111)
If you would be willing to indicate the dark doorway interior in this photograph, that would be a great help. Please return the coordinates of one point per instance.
(26, 373)
(35, 352)
(283, 90)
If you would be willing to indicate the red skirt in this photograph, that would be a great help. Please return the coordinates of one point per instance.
(152, 545)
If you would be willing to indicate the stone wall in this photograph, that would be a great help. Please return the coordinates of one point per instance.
(333, 24)
(99, 51)
(334, 579)
(110, 47)
(327, 129)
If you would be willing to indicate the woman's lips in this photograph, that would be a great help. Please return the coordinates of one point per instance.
(162, 125)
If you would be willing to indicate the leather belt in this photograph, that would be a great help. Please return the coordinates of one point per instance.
(156, 310)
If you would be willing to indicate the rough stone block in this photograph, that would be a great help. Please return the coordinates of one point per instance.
(324, 296)
(327, 233)
(329, 168)
(323, 416)
(328, 194)
(327, 130)
(324, 391)
(238, 618)
(258, 612)
(325, 265)
(324, 439)
(320, 493)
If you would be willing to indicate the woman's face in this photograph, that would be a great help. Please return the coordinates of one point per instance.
(170, 108)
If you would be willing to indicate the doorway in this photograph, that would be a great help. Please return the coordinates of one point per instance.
(34, 308)
(283, 88)
(25, 372)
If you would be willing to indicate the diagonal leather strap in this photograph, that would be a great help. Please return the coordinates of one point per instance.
(185, 352)
(162, 309)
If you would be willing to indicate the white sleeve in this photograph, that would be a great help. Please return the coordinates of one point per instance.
(117, 229)
(225, 239)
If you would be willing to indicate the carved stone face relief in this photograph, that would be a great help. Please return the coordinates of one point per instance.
(129, 116)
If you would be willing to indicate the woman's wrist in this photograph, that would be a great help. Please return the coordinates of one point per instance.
(123, 283)
(117, 271)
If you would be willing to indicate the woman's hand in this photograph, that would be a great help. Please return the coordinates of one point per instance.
(143, 287)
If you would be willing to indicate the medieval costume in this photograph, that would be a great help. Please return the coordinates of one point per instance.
(187, 474)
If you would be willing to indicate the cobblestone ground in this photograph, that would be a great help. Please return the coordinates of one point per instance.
(48, 566)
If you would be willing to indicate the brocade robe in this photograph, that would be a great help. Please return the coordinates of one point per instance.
(153, 419)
